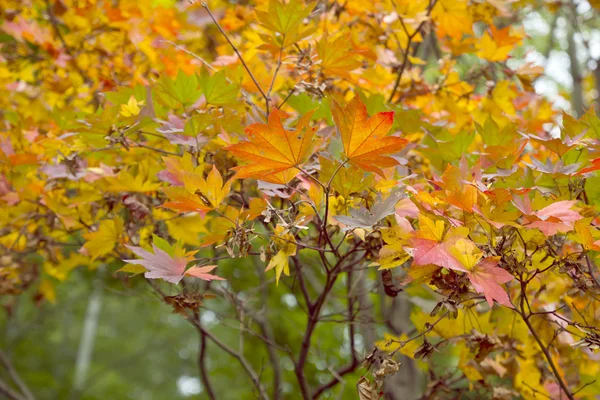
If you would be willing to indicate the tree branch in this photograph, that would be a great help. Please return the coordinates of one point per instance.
(14, 375)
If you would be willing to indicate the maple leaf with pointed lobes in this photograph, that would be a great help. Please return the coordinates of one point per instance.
(497, 44)
(287, 247)
(429, 246)
(366, 219)
(557, 217)
(274, 154)
(285, 21)
(484, 274)
(198, 194)
(103, 240)
(161, 265)
(486, 278)
(337, 56)
(364, 138)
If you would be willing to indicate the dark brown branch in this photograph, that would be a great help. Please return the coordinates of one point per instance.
(267, 331)
(202, 368)
(16, 378)
(354, 362)
(302, 283)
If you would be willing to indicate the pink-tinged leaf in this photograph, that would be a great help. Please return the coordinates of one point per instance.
(406, 208)
(426, 251)
(404, 224)
(523, 205)
(203, 273)
(173, 173)
(486, 278)
(557, 217)
(161, 265)
(560, 210)
(73, 172)
(550, 228)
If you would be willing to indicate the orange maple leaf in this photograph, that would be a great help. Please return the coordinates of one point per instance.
(364, 138)
(274, 154)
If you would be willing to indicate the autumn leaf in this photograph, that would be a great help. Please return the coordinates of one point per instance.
(102, 241)
(171, 268)
(287, 247)
(557, 217)
(497, 43)
(458, 193)
(345, 180)
(216, 89)
(132, 108)
(285, 21)
(337, 56)
(274, 154)
(486, 278)
(367, 218)
(136, 178)
(198, 194)
(484, 274)
(393, 253)
(364, 138)
(203, 273)
(429, 246)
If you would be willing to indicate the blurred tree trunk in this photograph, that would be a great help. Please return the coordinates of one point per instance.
(404, 385)
(88, 335)
(597, 79)
(577, 95)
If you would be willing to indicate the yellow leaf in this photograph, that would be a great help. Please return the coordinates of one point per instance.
(104, 240)
(392, 256)
(428, 229)
(416, 60)
(212, 188)
(46, 289)
(187, 228)
(280, 263)
(467, 253)
(287, 247)
(497, 45)
(132, 107)
(337, 56)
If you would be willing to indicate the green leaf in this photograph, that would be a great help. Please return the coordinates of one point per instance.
(132, 269)
(216, 89)
(303, 103)
(163, 245)
(284, 18)
(183, 90)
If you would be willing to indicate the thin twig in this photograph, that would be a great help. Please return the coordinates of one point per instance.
(407, 50)
(237, 52)
(541, 345)
(14, 375)
(242, 360)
